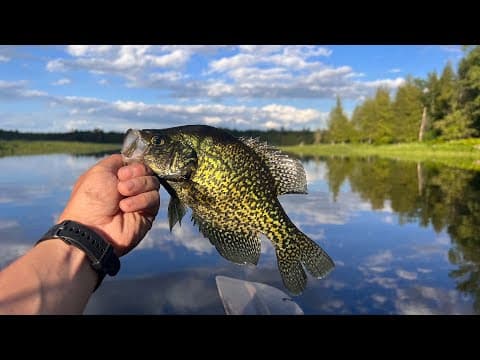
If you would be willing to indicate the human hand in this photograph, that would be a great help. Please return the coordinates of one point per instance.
(118, 202)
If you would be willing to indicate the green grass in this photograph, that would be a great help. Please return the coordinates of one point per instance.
(21, 147)
(463, 154)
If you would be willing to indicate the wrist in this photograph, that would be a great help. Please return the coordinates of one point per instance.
(73, 261)
(99, 252)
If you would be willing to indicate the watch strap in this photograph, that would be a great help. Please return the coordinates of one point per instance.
(100, 253)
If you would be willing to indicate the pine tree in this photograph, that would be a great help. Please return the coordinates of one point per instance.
(339, 127)
(469, 86)
(382, 116)
(363, 122)
(447, 91)
(407, 112)
(462, 119)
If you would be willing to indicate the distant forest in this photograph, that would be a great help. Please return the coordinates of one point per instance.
(275, 137)
(443, 107)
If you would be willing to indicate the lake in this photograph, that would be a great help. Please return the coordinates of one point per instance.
(405, 238)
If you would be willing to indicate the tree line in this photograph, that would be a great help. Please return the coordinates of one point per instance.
(280, 137)
(96, 136)
(441, 107)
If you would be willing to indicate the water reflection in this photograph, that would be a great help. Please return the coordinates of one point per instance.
(448, 199)
(404, 237)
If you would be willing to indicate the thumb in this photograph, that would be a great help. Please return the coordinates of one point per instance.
(111, 163)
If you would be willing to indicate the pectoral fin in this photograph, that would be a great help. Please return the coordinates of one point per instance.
(176, 211)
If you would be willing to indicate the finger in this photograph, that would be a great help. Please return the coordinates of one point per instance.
(112, 162)
(149, 214)
(138, 185)
(133, 170)
(140, 202)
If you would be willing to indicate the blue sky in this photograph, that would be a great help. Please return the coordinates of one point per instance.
(61, 88)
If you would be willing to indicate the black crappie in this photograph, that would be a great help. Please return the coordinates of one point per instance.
(232, 186)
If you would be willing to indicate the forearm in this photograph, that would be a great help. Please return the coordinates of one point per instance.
(52, 278)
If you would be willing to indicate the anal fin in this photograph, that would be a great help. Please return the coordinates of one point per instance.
(238, 247)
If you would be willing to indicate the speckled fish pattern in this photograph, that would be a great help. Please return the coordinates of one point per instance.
(232, 186)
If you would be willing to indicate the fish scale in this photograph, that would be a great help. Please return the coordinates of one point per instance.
(232, 186)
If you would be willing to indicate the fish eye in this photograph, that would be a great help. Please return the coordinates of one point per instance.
(158, 140)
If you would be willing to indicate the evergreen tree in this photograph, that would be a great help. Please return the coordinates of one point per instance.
(447, 91)
(339, 127)
(363, 123)
(469, 86)
(443, 94)
(381, 114)
(407, 112)
(456, 125)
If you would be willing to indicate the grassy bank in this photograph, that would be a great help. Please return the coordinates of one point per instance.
(21, 147)
(464, 154)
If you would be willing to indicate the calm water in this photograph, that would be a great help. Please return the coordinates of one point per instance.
(405, 238)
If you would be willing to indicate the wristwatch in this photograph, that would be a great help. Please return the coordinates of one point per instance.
(100, 253)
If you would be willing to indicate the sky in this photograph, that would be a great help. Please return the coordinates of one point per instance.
(117, 87)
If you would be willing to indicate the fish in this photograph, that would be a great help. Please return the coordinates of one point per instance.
(232, 186)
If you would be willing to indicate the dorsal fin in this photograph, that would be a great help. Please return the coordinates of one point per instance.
(289, 173)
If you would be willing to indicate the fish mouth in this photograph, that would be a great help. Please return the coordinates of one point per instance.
(134, 146)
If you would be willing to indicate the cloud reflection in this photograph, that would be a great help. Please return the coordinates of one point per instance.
(10, 252)
(185, 235)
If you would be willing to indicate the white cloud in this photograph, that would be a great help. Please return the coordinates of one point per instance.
(245, 72)
(16, 90)
(229, 63)
(260, 49)
(103, 82)
(452, 48)
(212, 120)
(142, 114)
(290, 115)
(73, 124)
(4, 58)
(56, 65)
(124, 60)
(62, 81)
(388, 83)
(394, 70)
(293, 57)
(82, 50)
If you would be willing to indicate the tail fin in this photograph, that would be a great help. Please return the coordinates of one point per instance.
(302, 250)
